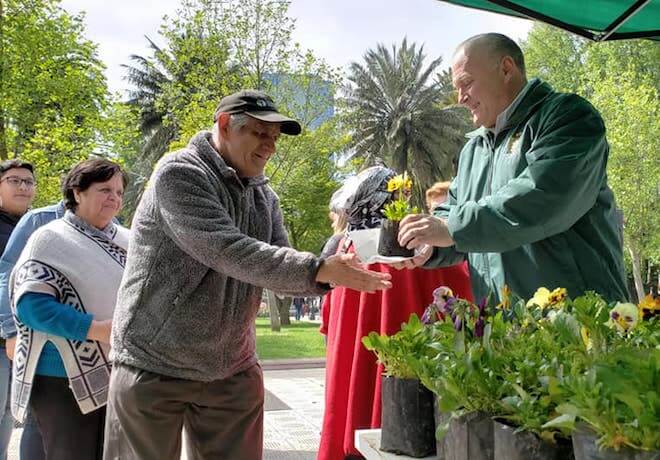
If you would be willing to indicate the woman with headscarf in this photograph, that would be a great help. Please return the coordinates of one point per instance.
(353, 375)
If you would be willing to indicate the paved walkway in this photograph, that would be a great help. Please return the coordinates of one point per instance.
(292, 421)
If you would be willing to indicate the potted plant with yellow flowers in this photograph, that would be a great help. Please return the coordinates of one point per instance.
(394, 212)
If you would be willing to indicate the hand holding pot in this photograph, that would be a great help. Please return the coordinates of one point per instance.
(420, 259)
(420, 229)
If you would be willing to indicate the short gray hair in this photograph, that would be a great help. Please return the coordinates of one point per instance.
(238, 120)
(497, 46)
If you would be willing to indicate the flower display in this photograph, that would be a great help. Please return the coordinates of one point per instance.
(546, 363)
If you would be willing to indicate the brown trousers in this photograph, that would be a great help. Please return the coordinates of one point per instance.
(223, 419)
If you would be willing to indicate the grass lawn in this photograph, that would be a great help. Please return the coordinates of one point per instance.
(299, 340)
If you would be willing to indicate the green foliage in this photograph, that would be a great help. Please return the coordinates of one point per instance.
(393, 351)
(52, 88)
(618, 397)
(121, 140)
(463, 373)
(542, 368)
(555, 56)
(398, 209)
(395, 113)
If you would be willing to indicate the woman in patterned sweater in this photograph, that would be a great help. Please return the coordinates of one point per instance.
(63, 293)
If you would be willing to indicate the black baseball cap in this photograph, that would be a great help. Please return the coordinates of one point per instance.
(259, 105)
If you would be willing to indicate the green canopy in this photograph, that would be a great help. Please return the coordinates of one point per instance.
(597, 20)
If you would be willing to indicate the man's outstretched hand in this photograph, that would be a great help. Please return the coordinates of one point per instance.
(345, 270)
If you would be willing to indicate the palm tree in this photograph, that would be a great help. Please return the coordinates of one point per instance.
(149, 77)
(446, 87)
(398, 118)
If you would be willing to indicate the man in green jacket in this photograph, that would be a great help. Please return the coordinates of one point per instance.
(530, 205)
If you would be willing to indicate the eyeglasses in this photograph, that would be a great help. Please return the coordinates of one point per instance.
(17, 181)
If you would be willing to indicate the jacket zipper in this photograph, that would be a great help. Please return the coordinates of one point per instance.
(491, 165)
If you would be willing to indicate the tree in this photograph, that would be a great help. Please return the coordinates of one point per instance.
(624, 80)
(121, 140)
(149, 78)
(52, 88)
(396, 115)
(445, 85)
(190, 73)
(630, 110)
(259, 38)
(555, 56)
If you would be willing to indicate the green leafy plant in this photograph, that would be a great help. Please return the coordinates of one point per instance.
(400, 207)
(461, 370)
(393, 351)
(541, 365)
(618, 397)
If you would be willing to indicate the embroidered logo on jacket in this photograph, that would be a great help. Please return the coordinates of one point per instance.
(514, 145)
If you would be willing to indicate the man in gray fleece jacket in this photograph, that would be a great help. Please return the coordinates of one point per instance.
(206, 238)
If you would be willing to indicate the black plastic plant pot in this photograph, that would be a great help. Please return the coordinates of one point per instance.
(469, 437)
(441, 418)
(407, 418)
(525, 445)
(585, 448)
(388, 243)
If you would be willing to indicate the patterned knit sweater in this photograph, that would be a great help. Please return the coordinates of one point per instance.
(81, 267)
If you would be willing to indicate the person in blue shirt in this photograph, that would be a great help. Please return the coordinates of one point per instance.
(31, 443)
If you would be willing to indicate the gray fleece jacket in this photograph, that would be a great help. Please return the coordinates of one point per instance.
(204, 243)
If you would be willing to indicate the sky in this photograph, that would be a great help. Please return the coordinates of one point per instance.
(339, 31)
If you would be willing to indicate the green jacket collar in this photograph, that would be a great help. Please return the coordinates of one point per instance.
(538, 91)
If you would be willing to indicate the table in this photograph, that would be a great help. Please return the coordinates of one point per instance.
(367, 442)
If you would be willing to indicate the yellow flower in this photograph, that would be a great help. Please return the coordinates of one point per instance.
(649, 303)
(395, 183)
(584, 332)
(541, 298)
(505, 304)
(623, 317)
(401, 182)
(557, 297)
(407, 184)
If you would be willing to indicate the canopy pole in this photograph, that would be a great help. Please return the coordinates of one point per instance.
(621, 20)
